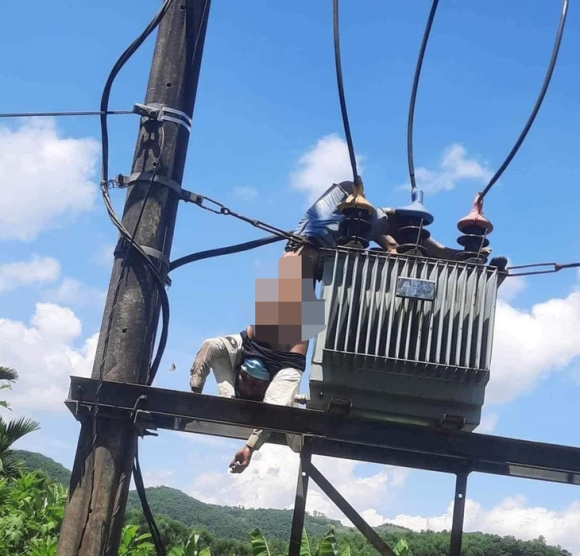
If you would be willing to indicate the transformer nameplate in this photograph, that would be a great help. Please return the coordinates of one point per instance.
(415, 288)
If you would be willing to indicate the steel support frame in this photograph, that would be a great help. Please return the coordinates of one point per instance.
(331, 435)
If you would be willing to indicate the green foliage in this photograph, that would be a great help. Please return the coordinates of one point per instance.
(327, 547)
(31, 510)
(133, 543)
(30, 517)
(259, 544)
(11, 431)
(402, 548)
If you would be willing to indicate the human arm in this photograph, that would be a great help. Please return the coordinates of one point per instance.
(281, 391)
(221, 355)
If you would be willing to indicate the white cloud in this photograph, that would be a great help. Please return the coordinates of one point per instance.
(321, 166)
(270, 482)
(44, 356)
(74, 293)
(158, 477)
(455, 166)
(24, 273)
(511, 517)
(488, 422)
(511, 288)
(246, 193)
(103, 256)
(529, 345)
(44, 178)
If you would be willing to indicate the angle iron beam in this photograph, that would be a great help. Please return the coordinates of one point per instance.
(458, 513)
(299, 513)
(525, 458)
(369, 533)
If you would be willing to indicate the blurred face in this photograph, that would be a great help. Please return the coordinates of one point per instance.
(287, 311)
(250, 388)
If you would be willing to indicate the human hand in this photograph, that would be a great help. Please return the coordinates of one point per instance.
(241, 460)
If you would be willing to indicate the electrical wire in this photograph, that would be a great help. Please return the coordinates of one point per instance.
(538, 104)
(225, 211)
(220, 251)
(414, 94)
(343, 111)
(140, 486)
(46, 114)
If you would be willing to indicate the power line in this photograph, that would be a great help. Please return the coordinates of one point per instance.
(340, 85)
(46, 114)
(414, 94)
(220, 251)
(538, 104)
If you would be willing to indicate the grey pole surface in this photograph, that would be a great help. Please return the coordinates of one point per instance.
(173, 81)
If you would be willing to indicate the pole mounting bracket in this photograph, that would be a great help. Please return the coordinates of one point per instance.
(163, 113)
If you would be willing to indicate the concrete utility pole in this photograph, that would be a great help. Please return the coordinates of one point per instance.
(173, 80)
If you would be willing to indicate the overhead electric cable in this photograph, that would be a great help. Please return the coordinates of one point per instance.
(343, 111)
(220, 251)
(54, 114)
(414, 89)
(538, 104)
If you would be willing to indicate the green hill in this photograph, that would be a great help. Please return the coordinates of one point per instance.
(224, 521)
(34, 460)
(231, 524)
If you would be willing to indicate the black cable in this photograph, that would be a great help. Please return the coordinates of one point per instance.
(46, 114)
(220, 251)
(343, 110)
(539, 100)
(140, 486)
(414, 94)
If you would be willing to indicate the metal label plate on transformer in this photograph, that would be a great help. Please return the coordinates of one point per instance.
(415, 288)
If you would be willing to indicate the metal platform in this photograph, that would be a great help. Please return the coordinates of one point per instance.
(333, 435)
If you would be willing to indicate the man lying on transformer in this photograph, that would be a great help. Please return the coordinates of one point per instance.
(265, 362)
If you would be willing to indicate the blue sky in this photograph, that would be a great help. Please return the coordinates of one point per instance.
(267, 136)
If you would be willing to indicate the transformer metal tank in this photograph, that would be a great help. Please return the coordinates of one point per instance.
(407, 339)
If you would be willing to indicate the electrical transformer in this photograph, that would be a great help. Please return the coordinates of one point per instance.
(407, 339)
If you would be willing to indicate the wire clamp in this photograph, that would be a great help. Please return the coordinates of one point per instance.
(154, 178)
(163, 113)
(149, 251)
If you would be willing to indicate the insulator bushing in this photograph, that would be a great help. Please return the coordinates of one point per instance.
(412, 233)
(355, 226)
(412, 237)
(474, 228)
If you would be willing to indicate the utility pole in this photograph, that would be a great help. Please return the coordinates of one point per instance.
(173, 80)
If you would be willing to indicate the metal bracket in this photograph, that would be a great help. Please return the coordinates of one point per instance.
(149, 251)
(339, 406)
(159, 112)
(155, 178)
(451, 422)
(184, 194)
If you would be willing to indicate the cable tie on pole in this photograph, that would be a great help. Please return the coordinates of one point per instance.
(160, 113)
(151, 252)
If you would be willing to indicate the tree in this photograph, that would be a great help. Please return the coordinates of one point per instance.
(31, 510)
(11, 431)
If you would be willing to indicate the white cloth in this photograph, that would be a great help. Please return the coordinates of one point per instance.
(223, 355)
